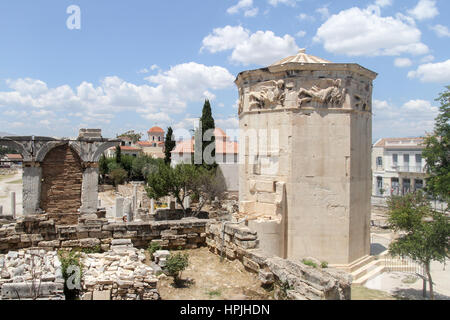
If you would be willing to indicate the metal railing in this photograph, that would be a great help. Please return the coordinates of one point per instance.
(403, 264)
(414, 169)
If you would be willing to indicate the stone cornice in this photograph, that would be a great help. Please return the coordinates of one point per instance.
(352, 67)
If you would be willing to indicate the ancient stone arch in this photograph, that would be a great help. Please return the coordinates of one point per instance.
(82, 155)
(62, 176)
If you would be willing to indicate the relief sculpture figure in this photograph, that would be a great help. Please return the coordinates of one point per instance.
(268, 95)
(333, 95)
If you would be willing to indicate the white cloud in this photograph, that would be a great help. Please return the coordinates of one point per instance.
(275, 3)
(432, 72)
(324, 12)
(425, 9)
(261, 47)
(227, 123)
(363, 32)
(427, 59)
(413, 118)
(225, 38)
(171, 92)
(441, 31)
(304, 16)
(402, 62)
(383, 3)
(300, 34)
(244, 5)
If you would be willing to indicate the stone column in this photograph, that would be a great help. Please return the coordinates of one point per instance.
(119, 207)
(152, 206)
(13, 204)
(187, 202)
(1, 210)
(89, 188)
(31, 190)
(135, 206)
(127, 210)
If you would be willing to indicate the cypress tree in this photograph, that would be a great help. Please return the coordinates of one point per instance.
(169, 145)
(118, 155)
(207, 122)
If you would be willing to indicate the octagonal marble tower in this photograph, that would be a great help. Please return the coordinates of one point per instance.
(305, 157)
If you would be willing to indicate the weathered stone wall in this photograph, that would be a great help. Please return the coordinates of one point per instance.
(31, 275)
(302, 282)
(127, 191)
(42, 231)
(119, 274)
(62, 180)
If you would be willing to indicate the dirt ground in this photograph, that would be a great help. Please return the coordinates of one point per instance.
(213, 279)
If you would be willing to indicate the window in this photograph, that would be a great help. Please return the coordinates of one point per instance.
(379, 161)
(406, 159)
(395, 159)
(159, 138)
(418, 159)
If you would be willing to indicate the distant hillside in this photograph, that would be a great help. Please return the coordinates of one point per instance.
(6, 134)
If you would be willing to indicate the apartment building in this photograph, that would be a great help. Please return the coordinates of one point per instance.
(397, 166)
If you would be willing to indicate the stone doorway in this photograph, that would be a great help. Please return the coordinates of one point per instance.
(62, 176)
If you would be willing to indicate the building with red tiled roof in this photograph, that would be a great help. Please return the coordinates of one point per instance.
(227, 156)
(397, 166)
(156, 134)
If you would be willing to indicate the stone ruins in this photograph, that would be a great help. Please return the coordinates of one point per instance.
(304, 191)
(305, 170)
(60, 175)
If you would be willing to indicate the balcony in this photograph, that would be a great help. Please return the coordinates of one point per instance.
(413, 169)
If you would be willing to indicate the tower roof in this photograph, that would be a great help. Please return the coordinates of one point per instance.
(301, 57)
(156, 130)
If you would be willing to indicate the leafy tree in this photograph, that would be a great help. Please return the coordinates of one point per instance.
(207, 123)
(133, 136)
(118, 154)
(103, 165)
(424, 233)
(169, 145)
(185, 180)
(119, 176)
(176, 264)
(112, 165)
(142, 166)
(206, 185)
(437, 152)
(167, 180)
(126, 162)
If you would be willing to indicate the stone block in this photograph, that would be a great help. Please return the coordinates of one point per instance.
(253, 266)
(101, 295)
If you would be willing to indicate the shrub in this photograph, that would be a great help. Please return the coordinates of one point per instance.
(324, 264)
(119, 176)
(70, 263)
(176, 263)
(309, 263)
(152, 248)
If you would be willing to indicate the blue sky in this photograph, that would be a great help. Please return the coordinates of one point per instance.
(138, 63)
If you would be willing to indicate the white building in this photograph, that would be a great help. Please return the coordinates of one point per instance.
(226, 157)
(397, 166)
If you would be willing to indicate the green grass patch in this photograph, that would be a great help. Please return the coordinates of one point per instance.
(18, 181)
(309, 263)
(6, 176)
(214, 293)
(363, 293)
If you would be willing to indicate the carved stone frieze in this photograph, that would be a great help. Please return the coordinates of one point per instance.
(328, 92)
